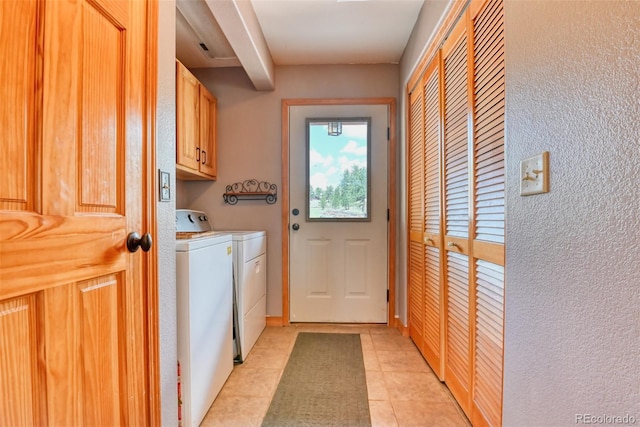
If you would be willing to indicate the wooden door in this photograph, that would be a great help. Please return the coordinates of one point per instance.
(187, 115)
(433, 296)
(457, 214)
(458, 125)
(488, 200)
(415, 189)
(426, 312)
(208, 110)
(74, 348)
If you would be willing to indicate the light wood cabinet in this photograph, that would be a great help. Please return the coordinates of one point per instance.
(196, 128)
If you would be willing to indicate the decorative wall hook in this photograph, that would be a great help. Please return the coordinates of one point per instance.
(251, 189)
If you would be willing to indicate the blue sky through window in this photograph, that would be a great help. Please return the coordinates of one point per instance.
(330, 156)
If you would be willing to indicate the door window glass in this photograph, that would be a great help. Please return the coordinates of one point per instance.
(337, 169)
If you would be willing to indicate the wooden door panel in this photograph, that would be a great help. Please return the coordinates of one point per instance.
(34, 256)
(458, 364)
(18, 116)
(101, 142)
(432, 152)
(432, 308)
(416, 293)
(489, 100)
(416, 219)
(83, 361)
(432, 225)
(489, 325)
(19, 388)
(100, 326)
(456, 173)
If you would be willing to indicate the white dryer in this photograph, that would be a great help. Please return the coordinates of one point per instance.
(250, 273)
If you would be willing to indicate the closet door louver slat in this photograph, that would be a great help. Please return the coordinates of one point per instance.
(416, 292)
(432, 308)
(489, 218)
(457, 362)
(416, 219)
(487, 393)
(432, 154)
(456, 142)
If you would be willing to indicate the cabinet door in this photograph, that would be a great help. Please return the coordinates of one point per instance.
(73, 302)
(188, 113)
(208, 110)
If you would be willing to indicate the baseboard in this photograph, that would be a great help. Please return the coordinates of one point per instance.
(404, 330)
(274, 321)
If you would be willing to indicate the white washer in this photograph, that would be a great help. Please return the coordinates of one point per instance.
(250, 269)
(205, 325)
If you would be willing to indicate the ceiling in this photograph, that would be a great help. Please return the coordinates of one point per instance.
(259, 34)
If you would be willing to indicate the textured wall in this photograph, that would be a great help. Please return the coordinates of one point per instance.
(573, 255)
(165, 157)
(249, 143)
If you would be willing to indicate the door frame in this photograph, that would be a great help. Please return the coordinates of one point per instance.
(391, 201)
(149, 219)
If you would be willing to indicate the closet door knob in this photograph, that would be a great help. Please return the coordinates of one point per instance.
(134, 241)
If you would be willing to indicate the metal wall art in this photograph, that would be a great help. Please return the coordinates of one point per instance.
(251, 189)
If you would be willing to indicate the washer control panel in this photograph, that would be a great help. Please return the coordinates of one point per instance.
(188, 220)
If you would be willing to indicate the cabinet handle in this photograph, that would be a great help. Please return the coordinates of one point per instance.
(204, 157)
(197, 154)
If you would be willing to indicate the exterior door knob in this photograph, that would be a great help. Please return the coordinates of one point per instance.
(296, 226)
(134, 241)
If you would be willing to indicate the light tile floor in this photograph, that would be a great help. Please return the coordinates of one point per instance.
(403, 391)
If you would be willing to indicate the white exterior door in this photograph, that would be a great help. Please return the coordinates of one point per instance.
(338, 244)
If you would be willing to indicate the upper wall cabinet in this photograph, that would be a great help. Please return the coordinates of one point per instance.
(196, 128)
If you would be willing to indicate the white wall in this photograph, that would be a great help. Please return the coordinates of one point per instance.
(165, 240)
(573, 255)
(249, 143)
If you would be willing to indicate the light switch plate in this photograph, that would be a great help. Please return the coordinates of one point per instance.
(534, 174)
(164, 182)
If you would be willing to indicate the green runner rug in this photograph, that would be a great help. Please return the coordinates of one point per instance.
(323, 384)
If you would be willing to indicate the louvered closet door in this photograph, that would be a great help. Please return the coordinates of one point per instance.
(432, 233)
(456, 214)
(489, 226)
(416, 219)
